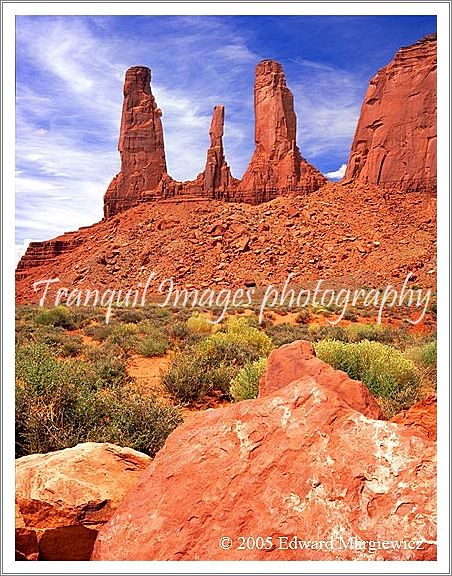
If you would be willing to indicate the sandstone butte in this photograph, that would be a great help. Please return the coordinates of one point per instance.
(356, 231)
(305, 459)
(395, 140)
(64, 497)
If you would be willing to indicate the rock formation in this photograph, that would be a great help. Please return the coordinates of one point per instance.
(292, 361)
(217, 179)
(420, 418)
(298, 462)
(45, 252)
(62, 498)
(395, 140)
(141, 146)
(276, 166)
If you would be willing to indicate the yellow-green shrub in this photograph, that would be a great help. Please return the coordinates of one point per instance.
(246, 384)
(387, 372)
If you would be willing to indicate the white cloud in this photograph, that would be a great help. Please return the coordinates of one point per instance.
(21, 248)
(337, 174)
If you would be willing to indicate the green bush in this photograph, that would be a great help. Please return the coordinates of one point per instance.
(387, 372)
(246, 384)
(284, 333)
(178, 330)
(212, 363)
(376, 332)
(187, 379)
(125, 336)
(58, 316)
(424, 356)
(153, 346)
(99, 332)
(61, 403)
(201, 324)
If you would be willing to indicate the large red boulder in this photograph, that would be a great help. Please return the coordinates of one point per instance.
(64, 497)
(293, 475)
(297, 359)
(420, 418)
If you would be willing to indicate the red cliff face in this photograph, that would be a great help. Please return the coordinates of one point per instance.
(141, 144)
(276, 165)
(395, 140)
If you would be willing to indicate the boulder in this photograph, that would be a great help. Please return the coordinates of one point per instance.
(64, 497)
(420, 418)
(296, 474)
(297, 359)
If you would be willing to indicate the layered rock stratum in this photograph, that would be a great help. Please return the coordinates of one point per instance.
(298, 462)
(395, 139)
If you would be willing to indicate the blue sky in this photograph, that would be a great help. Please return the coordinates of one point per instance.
(69, 74)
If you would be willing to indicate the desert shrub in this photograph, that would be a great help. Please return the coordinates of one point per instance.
(159, 315)
(178, 330)
(58, 316)
(327, 332)
(125, 336)
(153, 345)
(201, 324)
(246, 383)
(61, 403)
(375, 332)
(187, 379)
(281, 334)
(350, 315)
(71, 346)
(387, 372)
(99, 332)
(129, 316)
(141, 423)
(213, 362)
(424, 356)
(241, 331)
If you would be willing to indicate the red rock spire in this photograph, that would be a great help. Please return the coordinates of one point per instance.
(217, 174)
(276, 165)
(140, 145)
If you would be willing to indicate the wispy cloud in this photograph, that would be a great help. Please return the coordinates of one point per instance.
(328, 100)
(69, 96)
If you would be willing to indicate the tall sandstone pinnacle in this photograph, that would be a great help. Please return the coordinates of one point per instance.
(395, 139)
(140, 145)
(276, 165)
(217, 174)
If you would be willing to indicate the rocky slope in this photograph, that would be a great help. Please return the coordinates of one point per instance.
(299, 462)
(395, 140)
(349, 236)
